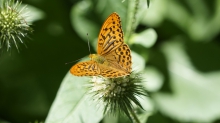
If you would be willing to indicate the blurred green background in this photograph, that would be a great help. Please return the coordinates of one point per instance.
(178, 42)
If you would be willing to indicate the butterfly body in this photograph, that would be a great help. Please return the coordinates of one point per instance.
(98, 58)
(113, 58)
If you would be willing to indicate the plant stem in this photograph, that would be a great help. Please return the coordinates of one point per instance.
(131, 24)
(133, 116)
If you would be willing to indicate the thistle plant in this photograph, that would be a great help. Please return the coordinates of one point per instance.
(118, 94)
(14, 24)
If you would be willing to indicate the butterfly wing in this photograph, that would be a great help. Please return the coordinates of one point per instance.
(110, 72)
(120, 58)
(110, 35)
(89, 68)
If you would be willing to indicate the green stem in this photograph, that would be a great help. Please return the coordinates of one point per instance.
(131, 17)
(133, 116)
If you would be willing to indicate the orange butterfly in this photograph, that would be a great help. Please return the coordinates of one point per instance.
(113, 58)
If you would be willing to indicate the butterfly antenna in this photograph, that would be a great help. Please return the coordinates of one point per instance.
(88, 43)
(73, 61)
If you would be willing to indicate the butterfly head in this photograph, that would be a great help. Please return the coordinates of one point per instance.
(92, 56)
(97, 58)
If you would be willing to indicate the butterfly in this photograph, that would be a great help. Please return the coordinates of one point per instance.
(113, 58)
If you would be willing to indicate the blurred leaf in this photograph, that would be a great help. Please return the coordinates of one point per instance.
(195, 95)
(210, 51)
(203, 26)
(203, 29)
(160, 118)
(178, 14)
(81, 23)
(148, 3)
(199, 26)
(148, 107)
(138, 62)
(72, 104)
(153, 79)
(106, 7)
(116, 118)
(155, 14)
(34, 14)
(3, 121)
(123, 119)
(147, 38)
(110, 119)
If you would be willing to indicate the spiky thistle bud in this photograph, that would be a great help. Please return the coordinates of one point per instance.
(14, 24)
(118, 94)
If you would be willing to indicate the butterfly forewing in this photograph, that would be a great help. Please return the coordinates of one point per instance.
(111, 35)
(89, 68)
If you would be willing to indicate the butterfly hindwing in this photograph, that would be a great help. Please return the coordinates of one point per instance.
(111, 35)
(120, 58)
(110, 72)
(89, 68)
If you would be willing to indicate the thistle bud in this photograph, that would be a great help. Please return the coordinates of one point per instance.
(118, 94)
(14, 25)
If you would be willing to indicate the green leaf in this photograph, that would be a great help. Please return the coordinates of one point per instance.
(110, 119)
(147, 38)
(72, 104)
(81, 23)
(195, 95)
(34, 14)
(202, 23)
(118, 6)
(148, 106)
(138, 62)
(3, 121)
(148, 3)
(155, 14)
(153, 79)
